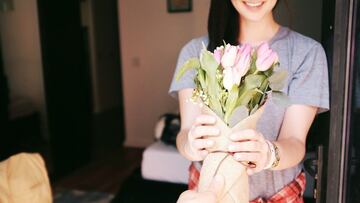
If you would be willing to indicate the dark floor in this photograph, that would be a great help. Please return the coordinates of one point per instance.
(105, 174)
(107, 131)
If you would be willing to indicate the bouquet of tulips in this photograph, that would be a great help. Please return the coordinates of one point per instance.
(232, 84)
(234, 81)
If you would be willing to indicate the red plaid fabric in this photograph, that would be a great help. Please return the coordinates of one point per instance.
(194, 175)
(292, 193)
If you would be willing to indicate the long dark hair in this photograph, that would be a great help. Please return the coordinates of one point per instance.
(223, 23)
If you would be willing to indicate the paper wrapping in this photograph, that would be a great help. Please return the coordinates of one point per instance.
(219, 161)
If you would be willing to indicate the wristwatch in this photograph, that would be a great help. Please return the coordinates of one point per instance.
(277, 156)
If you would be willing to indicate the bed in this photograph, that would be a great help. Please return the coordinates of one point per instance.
(162, 162)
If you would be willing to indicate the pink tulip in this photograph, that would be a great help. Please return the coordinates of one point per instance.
(243, 60)
(229, 57)
(218, 53)
(263, 48)
(266, 57)
(237, 67)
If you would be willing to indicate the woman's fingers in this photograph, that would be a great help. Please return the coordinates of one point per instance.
(247, 157)
(201, 131)
(205, 120)
(203, 143)
(256, 159)
(204, 153)
(202, 128)
(246, 146)
(248, 134)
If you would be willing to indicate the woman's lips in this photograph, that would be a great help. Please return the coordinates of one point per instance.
(253, 5)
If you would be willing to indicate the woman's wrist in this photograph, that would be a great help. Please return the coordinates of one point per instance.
(273, 155)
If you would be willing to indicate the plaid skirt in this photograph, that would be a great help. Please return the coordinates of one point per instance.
(291, 193)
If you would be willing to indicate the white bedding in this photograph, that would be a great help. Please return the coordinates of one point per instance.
(162, 162)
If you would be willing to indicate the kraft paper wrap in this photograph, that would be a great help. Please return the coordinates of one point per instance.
(219, 161)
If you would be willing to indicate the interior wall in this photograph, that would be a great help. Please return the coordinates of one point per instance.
(20, 41)
(151, 39)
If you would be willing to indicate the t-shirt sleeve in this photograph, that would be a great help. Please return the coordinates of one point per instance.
(187, 80)
(309, 84)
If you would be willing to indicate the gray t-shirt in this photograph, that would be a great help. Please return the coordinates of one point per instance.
(305, 61)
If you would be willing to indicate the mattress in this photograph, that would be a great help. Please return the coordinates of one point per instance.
(163, 162)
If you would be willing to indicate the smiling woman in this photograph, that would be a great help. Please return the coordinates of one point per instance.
(241, 22)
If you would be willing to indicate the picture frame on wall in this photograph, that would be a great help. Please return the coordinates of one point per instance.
(175, 6)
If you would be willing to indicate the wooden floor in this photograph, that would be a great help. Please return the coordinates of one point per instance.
(104, 175)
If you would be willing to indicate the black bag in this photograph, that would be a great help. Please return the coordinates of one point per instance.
(169, 125)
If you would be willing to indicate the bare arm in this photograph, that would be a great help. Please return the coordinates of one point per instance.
(293, 133)
(194, 126)
(250, 145)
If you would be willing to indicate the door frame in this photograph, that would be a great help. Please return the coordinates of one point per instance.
(341, 85)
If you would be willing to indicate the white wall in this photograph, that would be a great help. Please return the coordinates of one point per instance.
(20, 41)
(151, 39)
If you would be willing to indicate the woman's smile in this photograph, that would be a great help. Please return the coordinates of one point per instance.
(254, 10)
(253, 5)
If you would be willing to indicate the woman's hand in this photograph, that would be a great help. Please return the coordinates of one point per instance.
(250, 146)
(197, 138)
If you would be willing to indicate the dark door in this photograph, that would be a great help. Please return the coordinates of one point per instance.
(4, 95)
(352, 137)
(344, 143)
(67, 83)
(4, 113)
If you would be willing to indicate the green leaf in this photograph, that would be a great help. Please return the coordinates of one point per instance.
(278, 79)
(250, 89)
(188, 65)
(253, 110)
(260, 94)
(245, 98)
(208, 62)
(253, 64)
(240, 113)
(231, 102)
(253, 81)
(201, 77)
(214, 104)
(210, 66)
(268, 72)
(280, 99)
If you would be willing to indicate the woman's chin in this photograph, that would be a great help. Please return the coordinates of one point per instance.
(252, 17)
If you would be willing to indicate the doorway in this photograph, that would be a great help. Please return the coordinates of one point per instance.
(82, 80)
